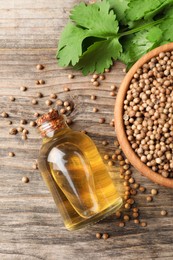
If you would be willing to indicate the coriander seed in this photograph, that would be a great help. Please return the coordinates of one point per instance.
(4, 114)
(98, 235)
(40, 67)
(105, 236)
(25, 179)
(163, 212)
(23, 88)
(11, 154)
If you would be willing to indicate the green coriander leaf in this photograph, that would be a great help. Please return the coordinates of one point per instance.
(96, 18)
(119, 7)
(145, 9)
(99, 56)
(164, 5)
(136, 45)
(70, 45)
(167, 26)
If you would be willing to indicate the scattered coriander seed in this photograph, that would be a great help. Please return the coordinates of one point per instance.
(127, 206)
(116, 143)
(66, 89)
(59, 102)
(107, 70)
(34, 101)
(40, 67)
(48, 102)
(98, 235)
(13, 131)
(23, 88)
(10, 122)
(120, 158)
(95, 109)
(133, 192)
(131, 201)
(39, 95)
(104, 143)
(114, 157)
(4, 114)
(83, 131)
(50, 110)
(136, 221)
(66, 103)
(24, 137)
(20, 129)
(102, 77)
(163, 212)
(92, 80)
(11, 154)
(23, 122)
(53, 96)
(62, 111)
(106, 157)
(33, 123)
(96, 83)
(93, 97)
(118, 151)
(154, 192)
(35, 166)
(149, 198)
(37, 82)
(25, 179)
(143, 224)
(36, 114)
(102, 120)
(25, 131)
(69, 108)
(113, 87)
(136, 185)
(135, 214)
(110, 163)
(126, 218)
(41, 82)
(70, 76)
(12, 98)
(135, 209)
(95, 76)
(112, 93)
(131, 180)
(118, 214)
(105, 236)
(124, 70)
(142, 189)
(69, 121)
(121, 224)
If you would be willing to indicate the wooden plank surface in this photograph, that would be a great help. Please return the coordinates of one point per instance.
(30, 226)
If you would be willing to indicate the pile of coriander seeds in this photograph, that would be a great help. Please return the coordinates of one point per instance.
(148, 113)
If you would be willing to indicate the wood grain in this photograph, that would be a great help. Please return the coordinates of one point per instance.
(31, 227)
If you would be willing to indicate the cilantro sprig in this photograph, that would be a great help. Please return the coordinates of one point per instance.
(108, 30)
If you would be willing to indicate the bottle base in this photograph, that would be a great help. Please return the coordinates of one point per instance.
(101, 215)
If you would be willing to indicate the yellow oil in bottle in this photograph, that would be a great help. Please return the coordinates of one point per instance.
(77, 177)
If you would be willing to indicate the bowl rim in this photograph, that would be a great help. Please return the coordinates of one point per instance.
(119, 124)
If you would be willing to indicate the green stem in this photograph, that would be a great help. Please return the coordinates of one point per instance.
(143, 27)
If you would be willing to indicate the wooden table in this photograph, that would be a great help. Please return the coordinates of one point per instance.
(30, 227)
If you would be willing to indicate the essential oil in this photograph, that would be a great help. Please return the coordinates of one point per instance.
(75, 173)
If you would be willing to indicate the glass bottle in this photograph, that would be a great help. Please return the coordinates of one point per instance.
(75, 174)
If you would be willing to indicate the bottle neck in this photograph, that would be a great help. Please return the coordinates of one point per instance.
(51, 128)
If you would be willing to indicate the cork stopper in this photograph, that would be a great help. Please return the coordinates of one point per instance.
(48, 117)
(49, 122)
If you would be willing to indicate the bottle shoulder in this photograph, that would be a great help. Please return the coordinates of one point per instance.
(69, 137)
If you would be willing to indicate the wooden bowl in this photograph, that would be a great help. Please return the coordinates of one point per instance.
(119, 125)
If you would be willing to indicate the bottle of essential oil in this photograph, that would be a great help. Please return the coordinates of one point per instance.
(75, 174)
